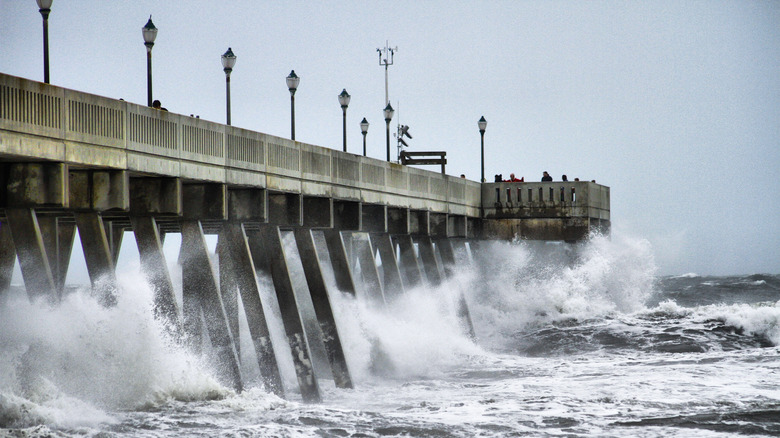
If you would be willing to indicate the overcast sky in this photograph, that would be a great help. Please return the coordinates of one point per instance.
(674, 105)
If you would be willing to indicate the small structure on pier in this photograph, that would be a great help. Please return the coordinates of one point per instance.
(565, 210)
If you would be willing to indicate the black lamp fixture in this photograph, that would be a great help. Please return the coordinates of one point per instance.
(482, 125)
(344, 99)
(150, 33)
(292, 84)
(228, 61)
(388, 116)
(44, 7)
(364, 130)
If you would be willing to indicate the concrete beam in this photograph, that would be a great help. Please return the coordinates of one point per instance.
(37, 185)
(438, 224)
(200, 285)
(322, 307)
(398, 221)
(473, 227)
(347, 216)
(208, 201)
(317, 212)
(456, 226)
(419, 222)
(285, 209)
(99, 190)
(247, 205)
(374, 218)
(155, 196)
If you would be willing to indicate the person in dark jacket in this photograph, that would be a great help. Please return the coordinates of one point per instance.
(546, 177)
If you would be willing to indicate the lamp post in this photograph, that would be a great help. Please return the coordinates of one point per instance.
(344, 98)
(228, 61)
(150, 33)
(482, 125)
(292, 85)
(388, 116)
(44, 7)
(364, 130)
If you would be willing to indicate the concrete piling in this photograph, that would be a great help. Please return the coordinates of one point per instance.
(154, 266)
(392, 285)
(410, 264)
(100, 264)
(271, 241)
(201, 293)
(339, 261)
(31, 252)
(239, 264)
(322, 307)
(372, 285)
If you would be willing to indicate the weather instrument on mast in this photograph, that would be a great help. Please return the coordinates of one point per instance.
(386, 59)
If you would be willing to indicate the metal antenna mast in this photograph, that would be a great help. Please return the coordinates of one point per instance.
(386, 58)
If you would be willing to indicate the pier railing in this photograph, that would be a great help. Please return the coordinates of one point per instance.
(41, 122)
(562, 199)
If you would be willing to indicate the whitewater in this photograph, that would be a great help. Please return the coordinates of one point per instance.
(580, 340)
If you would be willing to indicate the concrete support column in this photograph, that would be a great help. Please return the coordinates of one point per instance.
(293, 327)
(448, 259)
(447, 255)
(31, 252)
(58, 236)
(410, 265)
(370, 275)
(430, 264)
(115, 234)
(228, 286)
(459, 248)
(236, 261)
(200, 285)
(7, 257)
(393, 286)
(322, 308)
(97, 254)
(339, 261)
(154, 266)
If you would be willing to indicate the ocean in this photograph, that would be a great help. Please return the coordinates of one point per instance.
(581, 340)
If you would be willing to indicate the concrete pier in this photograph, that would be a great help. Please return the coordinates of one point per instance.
(71, 160)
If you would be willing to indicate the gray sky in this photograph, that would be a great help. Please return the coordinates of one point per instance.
(674, 105)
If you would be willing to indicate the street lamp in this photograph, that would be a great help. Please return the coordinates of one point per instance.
(44, 7)
(344, 98)
(364, 130)
(150, 33)
(292, 85)
(228, 61)
(388, 116)
(482, 125)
